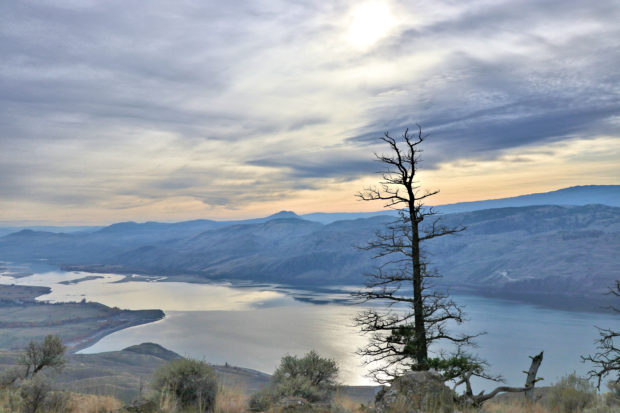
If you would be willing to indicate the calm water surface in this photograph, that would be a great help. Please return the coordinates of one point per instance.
(254, 326)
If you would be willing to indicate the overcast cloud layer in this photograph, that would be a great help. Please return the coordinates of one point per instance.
(128, 109)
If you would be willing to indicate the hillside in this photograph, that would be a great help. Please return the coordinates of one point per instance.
(123, 374)
(548, 249)
(575, 195)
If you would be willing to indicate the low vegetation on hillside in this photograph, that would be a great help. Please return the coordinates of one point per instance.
(309, 380)
(299, 384)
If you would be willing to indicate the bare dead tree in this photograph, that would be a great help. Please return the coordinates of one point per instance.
(606, 359)
(468, 398)
(417, 314)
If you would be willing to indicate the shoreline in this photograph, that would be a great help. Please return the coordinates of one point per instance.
(99, 335)
(583, 303)
(80, 324)
(597, 304)
(159, 333)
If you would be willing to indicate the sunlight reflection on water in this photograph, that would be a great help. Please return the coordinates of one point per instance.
(254, 326)
(112, 291)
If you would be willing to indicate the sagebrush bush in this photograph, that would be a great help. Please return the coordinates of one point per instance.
(9, 377)
(50, 353)
(231, 400)
(613, 397)
(34, 395)
(10, 400)
(57, 401)
(188, 383)
(90, 403)
(311, 377)
(572, 394)
(318, 371)
(263, 399)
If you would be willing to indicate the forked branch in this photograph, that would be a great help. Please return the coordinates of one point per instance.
(470, 399)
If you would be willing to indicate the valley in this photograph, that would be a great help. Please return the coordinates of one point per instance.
(233, 322)
(519, 253)
(531, 277)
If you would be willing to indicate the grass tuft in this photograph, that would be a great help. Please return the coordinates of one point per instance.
(230, 400)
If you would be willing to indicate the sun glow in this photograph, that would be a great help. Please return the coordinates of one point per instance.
(369, 22)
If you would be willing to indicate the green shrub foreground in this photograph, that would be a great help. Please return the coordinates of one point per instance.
(187, 383)
(311, 377)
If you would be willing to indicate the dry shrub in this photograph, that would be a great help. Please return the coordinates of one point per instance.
(513, 406)
(431, 404)
(10, 376)
(166, 402)
(346, 403)
(311, 377)
(230, 400)
(190, 384)
(90, 403)
(10, 400)
(572, 394)
(612, 398)
(602, 408)
(34, 394)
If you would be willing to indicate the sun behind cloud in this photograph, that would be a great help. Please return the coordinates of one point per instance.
(369, 22)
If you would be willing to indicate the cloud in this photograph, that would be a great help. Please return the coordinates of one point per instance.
(512, 74)
(124, 103)
(342, 164)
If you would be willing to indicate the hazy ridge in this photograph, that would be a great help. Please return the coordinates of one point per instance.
(528, 249)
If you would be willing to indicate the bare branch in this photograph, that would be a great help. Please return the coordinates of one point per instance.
(477, 400)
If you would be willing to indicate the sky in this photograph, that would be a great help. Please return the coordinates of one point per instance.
(123, 110)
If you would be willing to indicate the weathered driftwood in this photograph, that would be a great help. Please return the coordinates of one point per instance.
(468, 398)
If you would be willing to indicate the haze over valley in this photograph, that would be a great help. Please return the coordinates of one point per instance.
(564, 250)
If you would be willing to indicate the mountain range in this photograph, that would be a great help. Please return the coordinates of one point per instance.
(536, 249)
(574, 195)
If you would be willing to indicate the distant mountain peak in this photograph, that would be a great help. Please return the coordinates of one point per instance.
(31, 233)
(119, 226)
(23, 232)
(283, 214)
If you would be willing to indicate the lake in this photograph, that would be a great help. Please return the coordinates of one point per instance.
(253, 326)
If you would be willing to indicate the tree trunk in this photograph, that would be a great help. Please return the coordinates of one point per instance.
(530, 381)
(421, 350)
